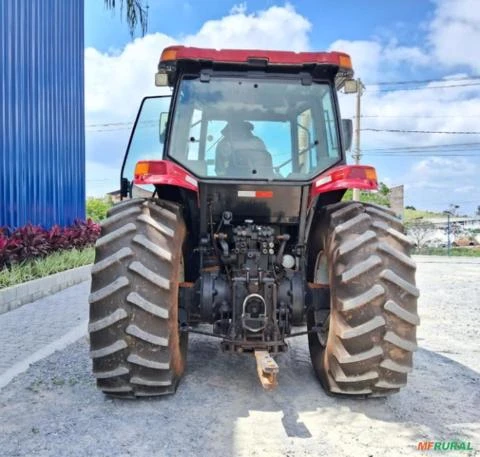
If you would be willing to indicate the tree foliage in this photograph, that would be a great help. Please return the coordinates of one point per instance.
(420, 231)
(97, 208)
(453, 209)
(136, 13)
(379, 198)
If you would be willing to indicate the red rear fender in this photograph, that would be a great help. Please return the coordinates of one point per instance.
(164, 172)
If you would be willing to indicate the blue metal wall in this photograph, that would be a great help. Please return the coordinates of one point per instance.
(42, 148)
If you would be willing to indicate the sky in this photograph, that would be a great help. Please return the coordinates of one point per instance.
(408, 40)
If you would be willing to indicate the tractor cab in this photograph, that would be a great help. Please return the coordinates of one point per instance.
(251, 131)
(235, 115)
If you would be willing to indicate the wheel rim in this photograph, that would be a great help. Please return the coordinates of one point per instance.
(321, 270)
(322, 317)
(180, 278)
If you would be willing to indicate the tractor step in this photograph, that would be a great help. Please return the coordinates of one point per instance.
(267, 369)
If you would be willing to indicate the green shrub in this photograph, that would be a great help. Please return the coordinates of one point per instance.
(379, 198)
(463, 252)
(97, 208)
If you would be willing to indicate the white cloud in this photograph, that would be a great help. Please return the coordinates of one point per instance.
(278, 27)
(442, 167)
(454, 33)
(464, 189)
(400, 55)
(240, 8)
(365, 56)
(115, 84)
(372, 59)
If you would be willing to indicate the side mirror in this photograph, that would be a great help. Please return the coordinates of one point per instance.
(162, 126)
(347, 133)
(124, 187)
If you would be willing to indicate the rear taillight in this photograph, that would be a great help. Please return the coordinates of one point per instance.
(346, 177)
(146, 169)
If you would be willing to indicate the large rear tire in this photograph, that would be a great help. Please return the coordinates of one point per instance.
(367, 342)
(136, 347)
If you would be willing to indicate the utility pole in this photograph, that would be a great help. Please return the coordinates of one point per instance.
(356, 153)
(451, 212)
(448, 233)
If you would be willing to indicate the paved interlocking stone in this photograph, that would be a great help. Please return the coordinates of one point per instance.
(29, 328)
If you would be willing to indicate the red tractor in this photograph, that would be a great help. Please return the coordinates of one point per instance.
(244, 229)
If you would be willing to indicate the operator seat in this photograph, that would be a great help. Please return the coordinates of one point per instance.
(242, 154)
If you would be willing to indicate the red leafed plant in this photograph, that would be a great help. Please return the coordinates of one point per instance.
(28, 242)
(57, 238)
(82, 233)
(3, 251)
(33, 241)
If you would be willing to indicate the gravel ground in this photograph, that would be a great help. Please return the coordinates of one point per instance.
(53, 408)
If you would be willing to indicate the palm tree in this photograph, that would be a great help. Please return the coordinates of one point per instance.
(136, 12)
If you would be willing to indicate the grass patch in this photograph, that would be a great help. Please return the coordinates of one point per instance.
(462, 252)
(410, 214)
(39, 268)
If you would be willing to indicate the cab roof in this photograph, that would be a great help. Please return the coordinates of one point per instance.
(256, 56)
(335, 66)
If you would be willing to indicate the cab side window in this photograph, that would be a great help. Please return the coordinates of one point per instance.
(194, 135)
(330, 127)
(148, 138)
(307, 142)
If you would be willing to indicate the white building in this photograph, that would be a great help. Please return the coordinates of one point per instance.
(459, 227)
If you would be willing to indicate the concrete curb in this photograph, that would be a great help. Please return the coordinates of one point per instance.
(16, 296)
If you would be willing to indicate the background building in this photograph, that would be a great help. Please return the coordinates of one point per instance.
(42, 147)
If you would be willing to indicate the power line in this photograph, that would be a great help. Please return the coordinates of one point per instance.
(447, 145)
(402, 89)
(402, 154)
(440, 152)
(420, 131)
(435, 152)
(383, 116)
(119, 125)
(424, 81)
(109, 124)
(108, 130)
